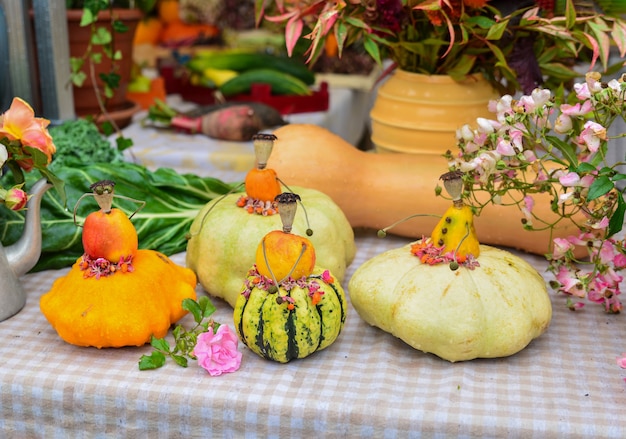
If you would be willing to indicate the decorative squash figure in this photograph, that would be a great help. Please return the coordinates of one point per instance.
(225, 234)
(289, 307)
(115, 294)
(449, 295)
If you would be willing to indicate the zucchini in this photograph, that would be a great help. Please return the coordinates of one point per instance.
(281, 83)
(243, 61)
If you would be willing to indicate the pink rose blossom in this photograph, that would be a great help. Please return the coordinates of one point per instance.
(570, 283)
(586, 180)
(563, 124)
(619, 261)
(530, 156)
(485, 125)
(217, 353)
(505, 148)
(602, 224)
(582, 91)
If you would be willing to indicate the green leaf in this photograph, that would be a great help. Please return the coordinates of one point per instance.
(172, 202)
(617, 219)
(180, 360)
(153, 361)
(497, 30)
(160, 343)
(585, 167)
(206, 306)
(372, 49)
(123, 143)
(101, 36)
(88, 17)
(194, 308)
(568, 150)
(599, 187)
(485, 23)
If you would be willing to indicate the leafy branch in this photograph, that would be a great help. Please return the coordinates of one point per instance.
(184, 340)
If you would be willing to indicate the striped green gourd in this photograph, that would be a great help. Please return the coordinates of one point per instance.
(289, 307)
(293, 326)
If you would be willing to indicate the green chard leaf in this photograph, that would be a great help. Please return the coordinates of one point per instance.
(172, 202)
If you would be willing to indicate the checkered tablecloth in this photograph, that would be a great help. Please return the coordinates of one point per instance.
(367, 384)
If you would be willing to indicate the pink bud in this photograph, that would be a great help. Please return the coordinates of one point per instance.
(16, 199)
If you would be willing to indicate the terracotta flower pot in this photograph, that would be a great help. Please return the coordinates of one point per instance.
(85, 100)
(415, 113)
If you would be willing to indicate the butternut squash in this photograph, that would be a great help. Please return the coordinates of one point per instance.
(376, 190)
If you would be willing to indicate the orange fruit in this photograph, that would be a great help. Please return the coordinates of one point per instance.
(109, 235)
(148, 31)
(179, 32)
(262, 184)
(168, 11)
(282, 251)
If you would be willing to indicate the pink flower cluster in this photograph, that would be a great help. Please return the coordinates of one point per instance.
(311, 284)
(545, 144)
(601, 282)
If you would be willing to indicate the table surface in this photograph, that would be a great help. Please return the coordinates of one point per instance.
(566, 383)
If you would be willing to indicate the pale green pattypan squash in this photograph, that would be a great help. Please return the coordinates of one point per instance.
(226, 233)
(450, 296)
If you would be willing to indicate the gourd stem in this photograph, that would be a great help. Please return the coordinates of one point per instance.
(206, 214)
(104, 198)
(263, 145)
(383, 232)
(267, 262)
(456, 250)
(309, 231)
(141, 203)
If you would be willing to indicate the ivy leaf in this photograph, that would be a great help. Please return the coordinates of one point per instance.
(153, 361)
(599, 187)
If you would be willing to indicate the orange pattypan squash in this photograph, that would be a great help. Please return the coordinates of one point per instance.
(124, 309)
(115, 295)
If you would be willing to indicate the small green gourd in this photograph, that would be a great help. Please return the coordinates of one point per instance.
(282, 319)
